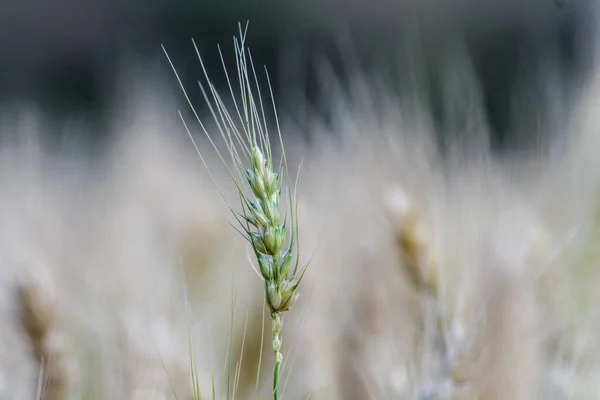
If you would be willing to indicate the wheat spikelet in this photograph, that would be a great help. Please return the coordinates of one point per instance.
(271, 235)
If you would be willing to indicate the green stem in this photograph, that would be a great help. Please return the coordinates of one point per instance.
(276, 380)
(277, 323)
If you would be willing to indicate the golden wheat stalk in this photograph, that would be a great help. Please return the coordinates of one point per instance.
(38, 321)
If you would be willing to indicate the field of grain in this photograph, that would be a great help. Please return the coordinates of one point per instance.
(434, 272)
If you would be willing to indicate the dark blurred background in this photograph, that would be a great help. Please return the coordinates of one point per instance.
(66, 55)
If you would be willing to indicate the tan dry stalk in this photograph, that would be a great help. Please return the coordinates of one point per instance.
(39, 322)
(507, 351)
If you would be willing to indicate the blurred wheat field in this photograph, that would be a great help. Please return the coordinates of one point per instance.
(454, 274)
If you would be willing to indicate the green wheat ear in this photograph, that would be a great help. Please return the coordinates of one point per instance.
(261, 215)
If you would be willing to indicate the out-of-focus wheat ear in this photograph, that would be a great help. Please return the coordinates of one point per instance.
(412, 242)
(418, 268)
(421, 268)
(38, 320)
